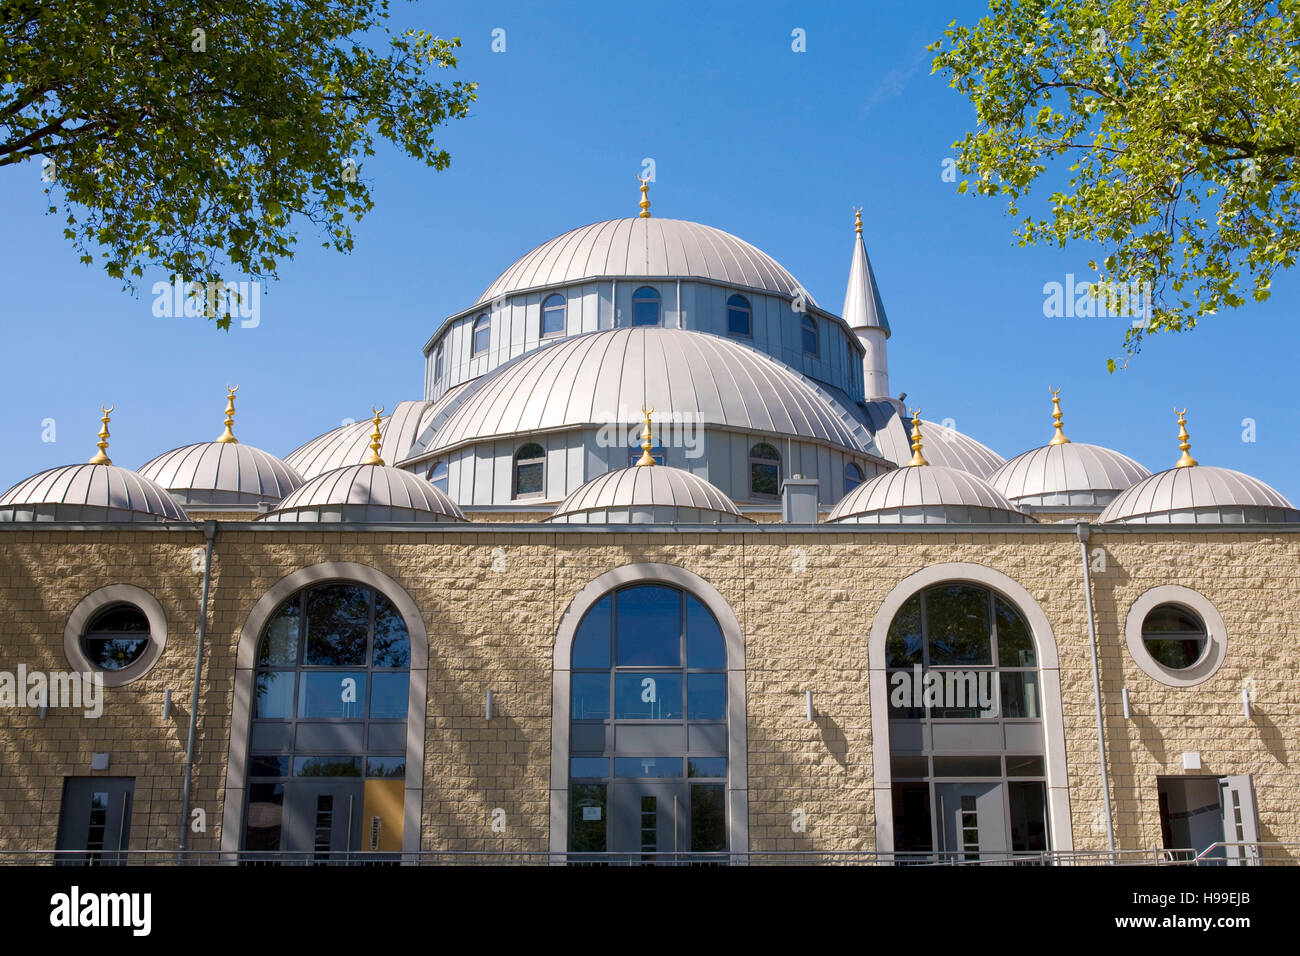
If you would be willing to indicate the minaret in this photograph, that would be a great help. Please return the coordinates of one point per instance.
(865, 314)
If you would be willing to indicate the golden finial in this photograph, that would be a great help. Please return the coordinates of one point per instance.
(647, 441)
(857, 220)
(1186, 461)
(228, 437)
(645, 198)
(917, 457)
(373, 458)
(102, 458)
(1059, 438)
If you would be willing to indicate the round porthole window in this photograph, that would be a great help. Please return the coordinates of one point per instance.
(118, 631)
(1175, 635)
(116, 637)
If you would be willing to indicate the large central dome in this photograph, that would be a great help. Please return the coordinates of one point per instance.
(646, 248)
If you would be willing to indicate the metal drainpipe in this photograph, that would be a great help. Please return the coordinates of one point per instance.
(1083, 530)
(210, 534)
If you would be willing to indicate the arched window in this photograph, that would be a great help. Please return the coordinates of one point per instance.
(116, 637)
(966, 740)
(645, 306)
(327, 749)
(648, 726)
(1175, 636)
(808, 328)
(438, 475)
(530, 471)
(482, 335)
(553, 315)
(852, 477)
(740, 317)
(764, 471)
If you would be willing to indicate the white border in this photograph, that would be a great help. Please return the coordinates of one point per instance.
(1216, 644)
(97, 601)
(1049, 677)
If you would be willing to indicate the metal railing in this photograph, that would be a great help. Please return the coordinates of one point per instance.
(1218, 854)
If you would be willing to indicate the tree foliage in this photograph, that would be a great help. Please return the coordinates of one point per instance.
(1180, 124)
(196, 137)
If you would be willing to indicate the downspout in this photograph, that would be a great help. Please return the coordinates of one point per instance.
(1083, 530)
(210, 534)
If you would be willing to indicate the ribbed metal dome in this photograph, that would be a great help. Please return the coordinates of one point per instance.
(1200, 494)
(222, 473)
(349, 444)
(926, 494)
(1069, 474)
(654, 494)
(89, 493)
(608, 376)
(366, 493)
(646, 248)
(943, 445)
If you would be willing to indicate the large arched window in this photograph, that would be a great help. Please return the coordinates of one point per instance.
(553, 315)
(808, 331)
(852, 477)
(482, 335)
(764, 471)
(327, 749)
(648, 726)
(645, 306)
(965, 733)
(740, 317)
(530, 471)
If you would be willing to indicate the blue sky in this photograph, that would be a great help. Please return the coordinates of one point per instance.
(772, 145)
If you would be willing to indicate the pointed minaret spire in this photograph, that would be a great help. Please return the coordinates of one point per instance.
(865, 314)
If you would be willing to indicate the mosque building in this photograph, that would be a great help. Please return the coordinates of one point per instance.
(656, 567)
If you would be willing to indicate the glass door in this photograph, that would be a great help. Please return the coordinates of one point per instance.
(322, 820)
(96, 817)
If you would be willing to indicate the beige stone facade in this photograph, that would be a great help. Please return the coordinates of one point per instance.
(492, 596)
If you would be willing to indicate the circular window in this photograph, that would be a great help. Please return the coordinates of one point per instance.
(118, 631)
(116, 637)
(1175, 635)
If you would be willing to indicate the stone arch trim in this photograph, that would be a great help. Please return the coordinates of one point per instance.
(241, 713)
(1049, 675)
(734, 640)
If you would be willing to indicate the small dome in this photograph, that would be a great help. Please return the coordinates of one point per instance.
(222, 473)
(654, 494)
(1199, 494)
(1070, 474)
(650, 248)
(366, 493)
(89, 493)
(349, 444)
(926, 494)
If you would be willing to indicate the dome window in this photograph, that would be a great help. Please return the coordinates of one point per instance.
(808, 328)
(437, 364)
(740, 317)
(438, 476)
(530, 471)
(852, 477)
(1175, 636)
(116, 637)
(553, 316)
(764, 471)
(645, 306)
(482, 335)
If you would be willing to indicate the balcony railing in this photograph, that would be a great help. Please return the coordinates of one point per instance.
(1218, 854)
